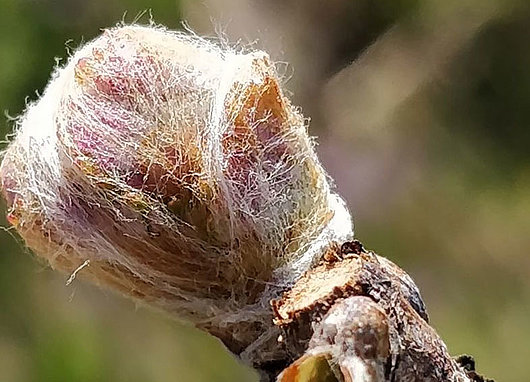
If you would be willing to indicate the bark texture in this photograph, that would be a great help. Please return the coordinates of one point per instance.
(355, 316)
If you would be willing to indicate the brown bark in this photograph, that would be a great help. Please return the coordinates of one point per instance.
(363, 317)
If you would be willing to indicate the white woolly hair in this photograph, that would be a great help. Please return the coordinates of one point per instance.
(176, 171)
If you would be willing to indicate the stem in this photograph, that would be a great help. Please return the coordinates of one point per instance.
(364, 317)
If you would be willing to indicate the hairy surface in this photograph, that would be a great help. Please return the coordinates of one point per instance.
(174, 171)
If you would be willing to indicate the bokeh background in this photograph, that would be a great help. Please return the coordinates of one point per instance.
(422, 110)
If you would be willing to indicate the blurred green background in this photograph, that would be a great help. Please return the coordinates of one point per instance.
(422, 109)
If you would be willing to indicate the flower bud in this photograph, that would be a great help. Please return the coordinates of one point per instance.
(176, 171)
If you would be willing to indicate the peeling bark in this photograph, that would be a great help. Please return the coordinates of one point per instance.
(356, 316)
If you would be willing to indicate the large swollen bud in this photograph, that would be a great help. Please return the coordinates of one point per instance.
(176, 172)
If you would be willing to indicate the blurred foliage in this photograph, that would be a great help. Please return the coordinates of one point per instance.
(439, 181)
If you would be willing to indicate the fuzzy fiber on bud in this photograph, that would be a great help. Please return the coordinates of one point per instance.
(176, 170)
